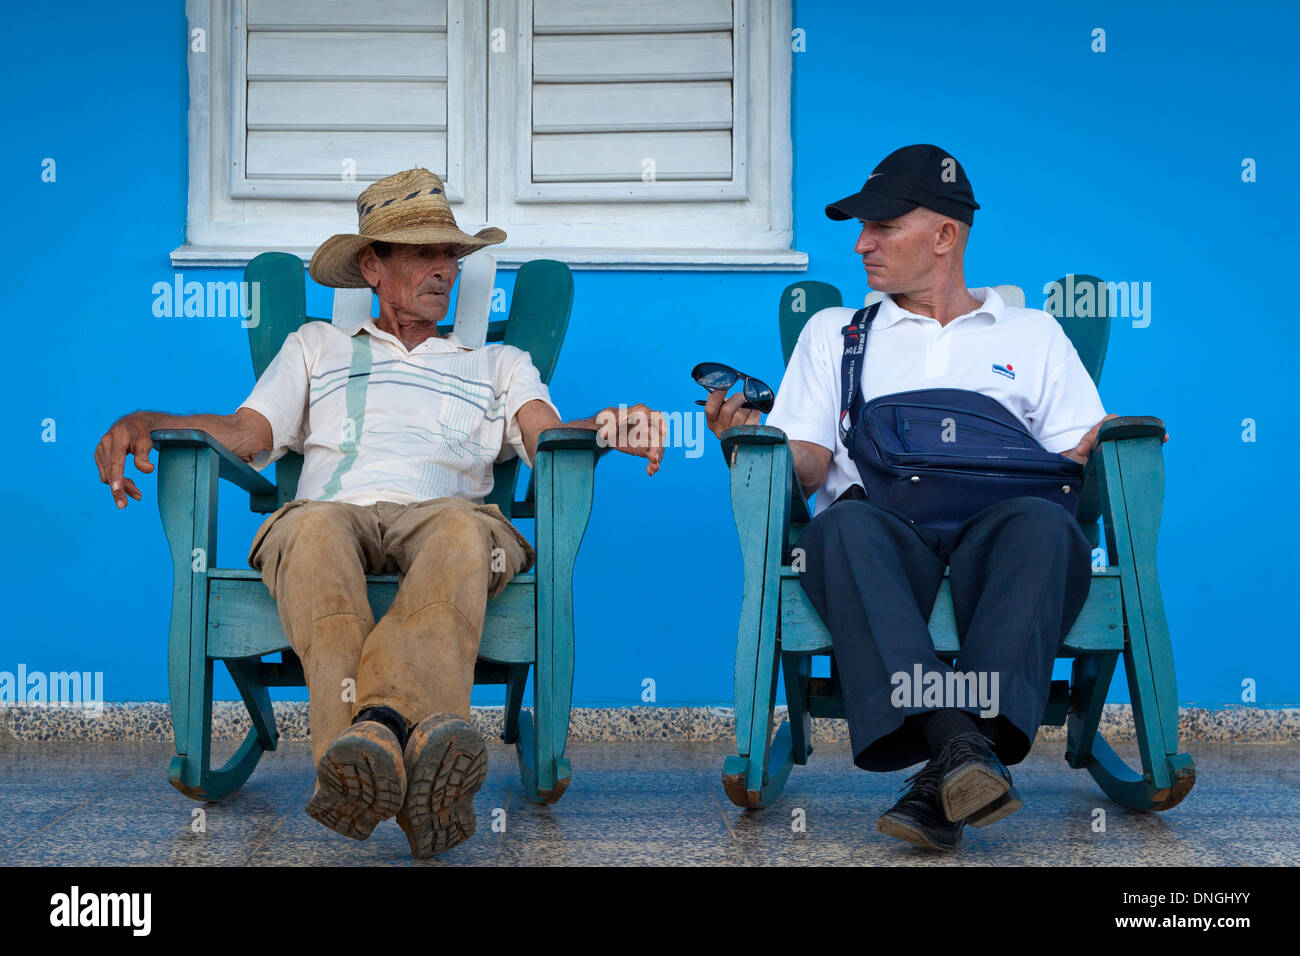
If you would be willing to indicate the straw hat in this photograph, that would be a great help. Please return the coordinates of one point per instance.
(408, 207)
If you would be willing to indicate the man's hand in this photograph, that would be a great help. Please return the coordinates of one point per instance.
(638, 430)
(1088, 443)
(721, 415)
(243, 434)
(129, 435)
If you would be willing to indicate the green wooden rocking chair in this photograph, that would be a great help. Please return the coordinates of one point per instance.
(227, 614)
(780, 630)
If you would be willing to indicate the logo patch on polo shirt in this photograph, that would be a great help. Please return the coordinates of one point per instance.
(1006, 370)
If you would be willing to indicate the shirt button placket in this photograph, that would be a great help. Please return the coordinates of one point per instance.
(936, 355)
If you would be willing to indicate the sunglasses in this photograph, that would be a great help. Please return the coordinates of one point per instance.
(718, 377)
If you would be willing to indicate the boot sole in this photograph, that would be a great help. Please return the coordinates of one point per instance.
(971, 790)
(999, 809)
(903, 830)
(445, 774)
(359, 783)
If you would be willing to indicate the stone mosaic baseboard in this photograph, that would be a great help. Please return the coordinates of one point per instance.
(151, 721)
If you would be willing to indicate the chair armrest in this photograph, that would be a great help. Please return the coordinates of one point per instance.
(750, 436)
(742, 435)
(566, 438)
(1132, 426)
(230, 468)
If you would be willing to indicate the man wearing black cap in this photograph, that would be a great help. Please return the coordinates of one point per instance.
(1019, 571)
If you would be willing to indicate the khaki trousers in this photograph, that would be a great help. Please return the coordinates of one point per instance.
(451, 556)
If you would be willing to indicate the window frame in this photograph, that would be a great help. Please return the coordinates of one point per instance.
(224, 230)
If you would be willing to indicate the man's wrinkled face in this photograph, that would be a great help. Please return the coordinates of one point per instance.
(415, 281)
(898, 253)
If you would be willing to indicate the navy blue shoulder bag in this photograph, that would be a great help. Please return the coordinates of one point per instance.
(937, 456)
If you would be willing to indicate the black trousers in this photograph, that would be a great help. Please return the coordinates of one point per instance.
(1019, 572)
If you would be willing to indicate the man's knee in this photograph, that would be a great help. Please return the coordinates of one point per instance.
(848, 522)
(463, 530)
(1037, 514)
(450, 531)
(1039, 526)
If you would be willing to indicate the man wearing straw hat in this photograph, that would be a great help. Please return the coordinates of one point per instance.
(399, 428)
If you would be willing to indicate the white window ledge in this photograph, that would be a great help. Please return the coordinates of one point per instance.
(657, 260)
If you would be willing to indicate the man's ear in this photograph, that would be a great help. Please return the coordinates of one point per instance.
(946, 236)
(368, 260)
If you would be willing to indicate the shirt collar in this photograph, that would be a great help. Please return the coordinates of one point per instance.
(991, 305)
(446, 344)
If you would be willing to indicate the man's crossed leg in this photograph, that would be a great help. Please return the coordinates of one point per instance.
(1019, 574)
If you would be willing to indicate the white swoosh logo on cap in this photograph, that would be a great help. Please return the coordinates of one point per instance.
(873, 176)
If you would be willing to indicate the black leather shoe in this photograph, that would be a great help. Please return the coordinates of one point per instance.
(918, 817)
(974, 785)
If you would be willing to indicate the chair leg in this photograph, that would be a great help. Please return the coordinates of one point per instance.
(1166, 778)
(515, 682)
(760, 489)
(1133, 485)
(1090, 679)
(561, 476)
(543, 733)
(534, 754)
(755, 777)
(190, 771)
(798, 670)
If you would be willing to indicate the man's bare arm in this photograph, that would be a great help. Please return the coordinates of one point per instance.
(638, 430)
(811, 462)
(245, 433)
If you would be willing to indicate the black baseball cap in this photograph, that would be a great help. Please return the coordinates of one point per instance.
(920, 175)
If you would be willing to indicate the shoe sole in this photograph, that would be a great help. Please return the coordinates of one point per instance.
(999, 809)
(445, 773)
(903, 830)
(970, 790)
(359, 783)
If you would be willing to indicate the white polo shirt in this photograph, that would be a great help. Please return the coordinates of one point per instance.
(1021, 357)
(376, 422)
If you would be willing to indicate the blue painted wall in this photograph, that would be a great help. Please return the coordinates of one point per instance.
(1126, 164)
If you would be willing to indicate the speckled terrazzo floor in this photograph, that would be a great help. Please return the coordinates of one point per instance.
(638, 802)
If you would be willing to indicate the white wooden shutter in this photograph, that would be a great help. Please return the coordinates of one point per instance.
(331, 93)
(629, 92)
(582, 93)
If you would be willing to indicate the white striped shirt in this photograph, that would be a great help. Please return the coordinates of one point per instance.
(376, 422)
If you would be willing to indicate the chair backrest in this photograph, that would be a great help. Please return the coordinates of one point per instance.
(477, 282)
(352, 307)
(1083, 310)
(800, 302)
(538, 320)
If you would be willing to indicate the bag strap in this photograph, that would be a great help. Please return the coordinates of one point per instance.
(851, 364)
